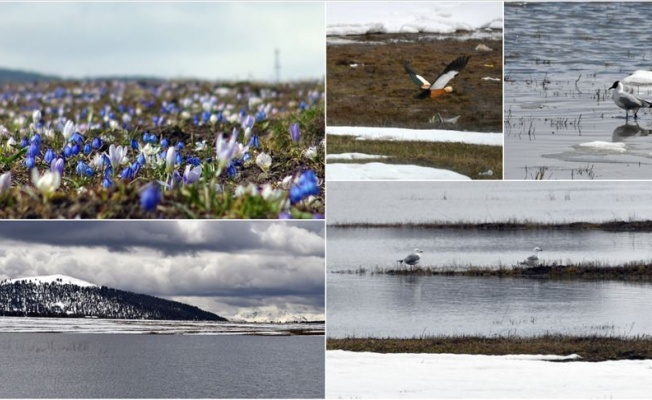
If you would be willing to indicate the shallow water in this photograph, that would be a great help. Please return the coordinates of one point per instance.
(413, 306)
(560, 59)
(160, 366)
(354, 248)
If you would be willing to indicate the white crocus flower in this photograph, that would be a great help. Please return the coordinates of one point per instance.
(36, 117)
(10, 143)
(117, 155)
(170, 159)
(287, 182)
(47, 183)
(5, 182)
(310, 152)
(191, 174)
(68, 130)
(149, 150)
(264, 161)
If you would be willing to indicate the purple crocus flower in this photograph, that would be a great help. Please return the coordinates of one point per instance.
(49, 156)
(57, 166)
(307, 185)
(30, 162)
(96, 143)
(295, 132)
(150, 196)
(32, 150)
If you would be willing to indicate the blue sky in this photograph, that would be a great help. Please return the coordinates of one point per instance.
(169, 40)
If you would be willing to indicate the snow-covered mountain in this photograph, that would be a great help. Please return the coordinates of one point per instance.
(275, 317)
(64, 296)
(58, 279)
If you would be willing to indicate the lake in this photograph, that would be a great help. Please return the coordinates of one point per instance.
(560, 120)
(56, 365)
(410, 306)
(354, 248)
(413, 306)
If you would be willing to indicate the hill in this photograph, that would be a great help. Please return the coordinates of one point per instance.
(63, 296)
(15, 75)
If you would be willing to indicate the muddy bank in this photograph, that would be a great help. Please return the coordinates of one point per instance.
(378, 91)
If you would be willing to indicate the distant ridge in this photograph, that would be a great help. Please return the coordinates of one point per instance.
(65, 296)
(16, 75)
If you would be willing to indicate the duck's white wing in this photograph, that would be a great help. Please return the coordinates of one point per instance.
(450, 72)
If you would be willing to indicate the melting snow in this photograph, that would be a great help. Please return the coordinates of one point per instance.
(604, 146)
(360, 375)
(380, 171)
(422, 135)
(353, 156)
(356, 18)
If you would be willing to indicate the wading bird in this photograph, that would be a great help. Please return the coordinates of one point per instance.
(626, 100)
(533, 260)
(412, 259)
(439, 87)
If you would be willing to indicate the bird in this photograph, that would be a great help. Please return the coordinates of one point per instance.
(412, 259)
(626, 100)
(533, 260)
(439, 87)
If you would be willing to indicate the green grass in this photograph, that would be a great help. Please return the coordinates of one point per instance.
(467, 159)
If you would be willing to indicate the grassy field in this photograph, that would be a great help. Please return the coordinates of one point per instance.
(466, 159)
(162, 149)
(590, 348)
(377, 92)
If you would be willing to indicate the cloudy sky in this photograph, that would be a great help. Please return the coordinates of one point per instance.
(226, 267)
(234, 40)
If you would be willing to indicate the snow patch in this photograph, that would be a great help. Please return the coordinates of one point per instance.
(59, 279)
(353, 156)
(601, 146)
(356, 375)
(421, 135)
(357, 18)
(639, 78)
(380, 171)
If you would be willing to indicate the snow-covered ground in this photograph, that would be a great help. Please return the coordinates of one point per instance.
(421, 135)
(358, 18)
(381, 171)
(388, 172)
(375, 375)
(353, 156)
(95, 325)
(60, 279)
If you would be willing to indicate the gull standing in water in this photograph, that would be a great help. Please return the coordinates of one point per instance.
(533, 260)
(626, 100)
(412, 259)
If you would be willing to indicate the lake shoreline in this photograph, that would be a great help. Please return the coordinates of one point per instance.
(590, 348)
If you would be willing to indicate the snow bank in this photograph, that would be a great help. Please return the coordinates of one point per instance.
(421, 135)
(402, 17)
(54, 279)
(353, 156)
(639, 78)
(380, 171)
(377, 375)
(604, 147)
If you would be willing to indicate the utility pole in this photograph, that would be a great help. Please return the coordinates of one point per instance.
(277, 65)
